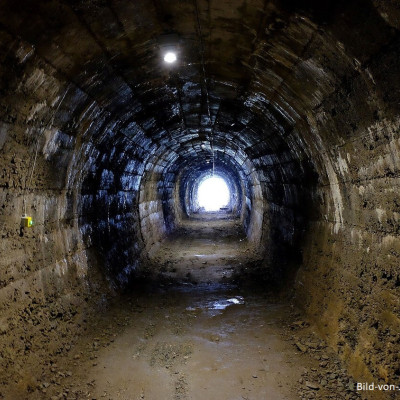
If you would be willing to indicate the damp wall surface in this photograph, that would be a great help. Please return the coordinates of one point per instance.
(351, 254)
(300, 104)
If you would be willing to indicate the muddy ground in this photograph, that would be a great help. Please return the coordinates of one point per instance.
(208, 248)
(190, 333)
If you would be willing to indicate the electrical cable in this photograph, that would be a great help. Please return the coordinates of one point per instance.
(200, 33)
(28, 181)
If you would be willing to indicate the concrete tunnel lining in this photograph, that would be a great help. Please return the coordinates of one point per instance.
(304, 117)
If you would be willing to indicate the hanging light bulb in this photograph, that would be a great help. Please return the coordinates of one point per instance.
(170, 57)
(169, 45)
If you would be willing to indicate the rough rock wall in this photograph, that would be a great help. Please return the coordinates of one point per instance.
(352, 256)
(349, 282)
(45, 275)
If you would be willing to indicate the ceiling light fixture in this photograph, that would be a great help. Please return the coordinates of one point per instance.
(169, 45)
(170, 57)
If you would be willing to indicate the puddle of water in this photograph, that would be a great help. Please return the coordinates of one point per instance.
(222, 304)
(216, 305)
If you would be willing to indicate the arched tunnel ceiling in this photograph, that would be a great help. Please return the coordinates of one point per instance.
(300, 100)
(267, 65)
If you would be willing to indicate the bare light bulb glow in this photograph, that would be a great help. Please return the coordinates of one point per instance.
(170, 57)
(213, 193)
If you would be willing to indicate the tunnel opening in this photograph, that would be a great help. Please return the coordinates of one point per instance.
(213, 194)
(233, 187)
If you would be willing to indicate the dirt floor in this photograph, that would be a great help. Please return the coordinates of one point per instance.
(209, 248)
(204, 338)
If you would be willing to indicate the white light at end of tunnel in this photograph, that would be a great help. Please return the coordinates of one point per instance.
(170, 57)
(213, 194)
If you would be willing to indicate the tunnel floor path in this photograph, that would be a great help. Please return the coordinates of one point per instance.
(209, 248)
(204, 338)
(205, 344)
(195, 343)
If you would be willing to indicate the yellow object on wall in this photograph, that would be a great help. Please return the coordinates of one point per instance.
(26, 221)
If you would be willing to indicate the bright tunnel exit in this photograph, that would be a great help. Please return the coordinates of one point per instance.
(213, 193)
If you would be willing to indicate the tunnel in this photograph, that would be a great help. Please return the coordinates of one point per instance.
(117, 282)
